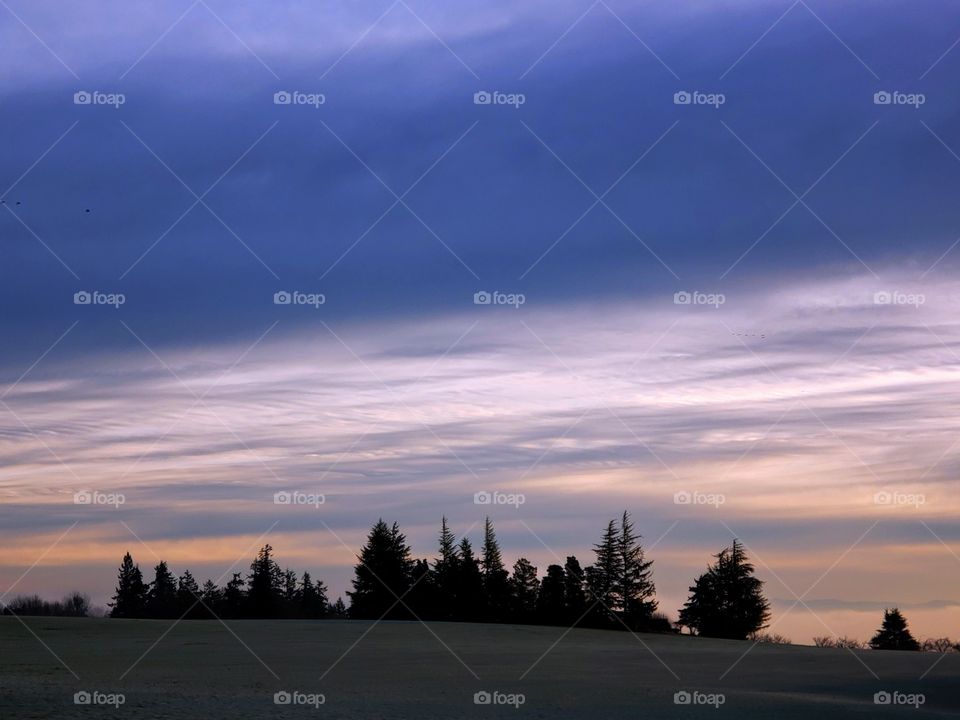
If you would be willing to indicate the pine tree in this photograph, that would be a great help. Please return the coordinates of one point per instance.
(266, 585)
(339, 610)
(188, 597)
(129, 599)
(212, 599)
(634, 589)
(551, 601)
(727, 601)
(469, 601)
(445, 573)
(894, 633)
(235, 597)
(573, 590)
(382, 575)
(496, 579)
(162, 595)
(524, 587)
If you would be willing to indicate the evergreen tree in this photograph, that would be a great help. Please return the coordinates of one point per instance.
(212, 599)
(308, 606)
(382, 575)
(496, 579)
(162, 595)
(524, 586)
(573, 590)
(422, 598)
(551, 601)
(266, 585)
(339, 610)
(188, 596)
(290, 591)
(445, 573)
(634, 588)
(727, 601)
(235, 597)
(129, 599)
(469, 599)
(894, 633)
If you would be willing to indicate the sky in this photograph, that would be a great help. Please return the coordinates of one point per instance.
(733, 316)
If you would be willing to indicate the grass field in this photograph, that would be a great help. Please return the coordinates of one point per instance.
(202, 669)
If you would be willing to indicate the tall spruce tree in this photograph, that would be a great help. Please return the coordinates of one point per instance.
(575, 599)
(446, 573)
(382, 575)
(496, 579)
(129, 599)
(162, 594)
(894, 633)
(188, 597)
(266, 583)
(727, 601)
(634, 589)
(470, 605)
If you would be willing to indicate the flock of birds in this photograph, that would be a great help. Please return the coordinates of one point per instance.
(4, 202)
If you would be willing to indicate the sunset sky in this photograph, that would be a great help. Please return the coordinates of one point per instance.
(811, 387)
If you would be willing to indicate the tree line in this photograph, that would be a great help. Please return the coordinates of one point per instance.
(460, 584)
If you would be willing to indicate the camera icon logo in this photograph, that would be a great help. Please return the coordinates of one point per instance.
(81, 698)
(482, 98)
(682, 298)
(682, 98)
(282, 698)
(82, 97)
(282, 297)
(84, 497)
(482, 498)
(82, 298)
(682, 498)
(482, 298)
(682, 698)
(282, 498)
(882, 498)
(882, 298)
(882, 698)
(282, 97)
(482, 698)
(882, 97)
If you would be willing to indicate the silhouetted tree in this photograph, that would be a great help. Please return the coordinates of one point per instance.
(726, 601)
(382, 575)
(188, 594)
(551, 601)
(162, 593)
(524, 586)
(634, 588)
(470, 605)
(212, 599)
(445, 573)
(266, 585)
(313, 598)
(234, 597)
(422, 598)
(129, 598)
(573, 592)
(338, 609)
(894, 633)
(496, 579)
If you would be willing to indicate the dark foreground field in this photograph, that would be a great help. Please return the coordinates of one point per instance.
(406, 670)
